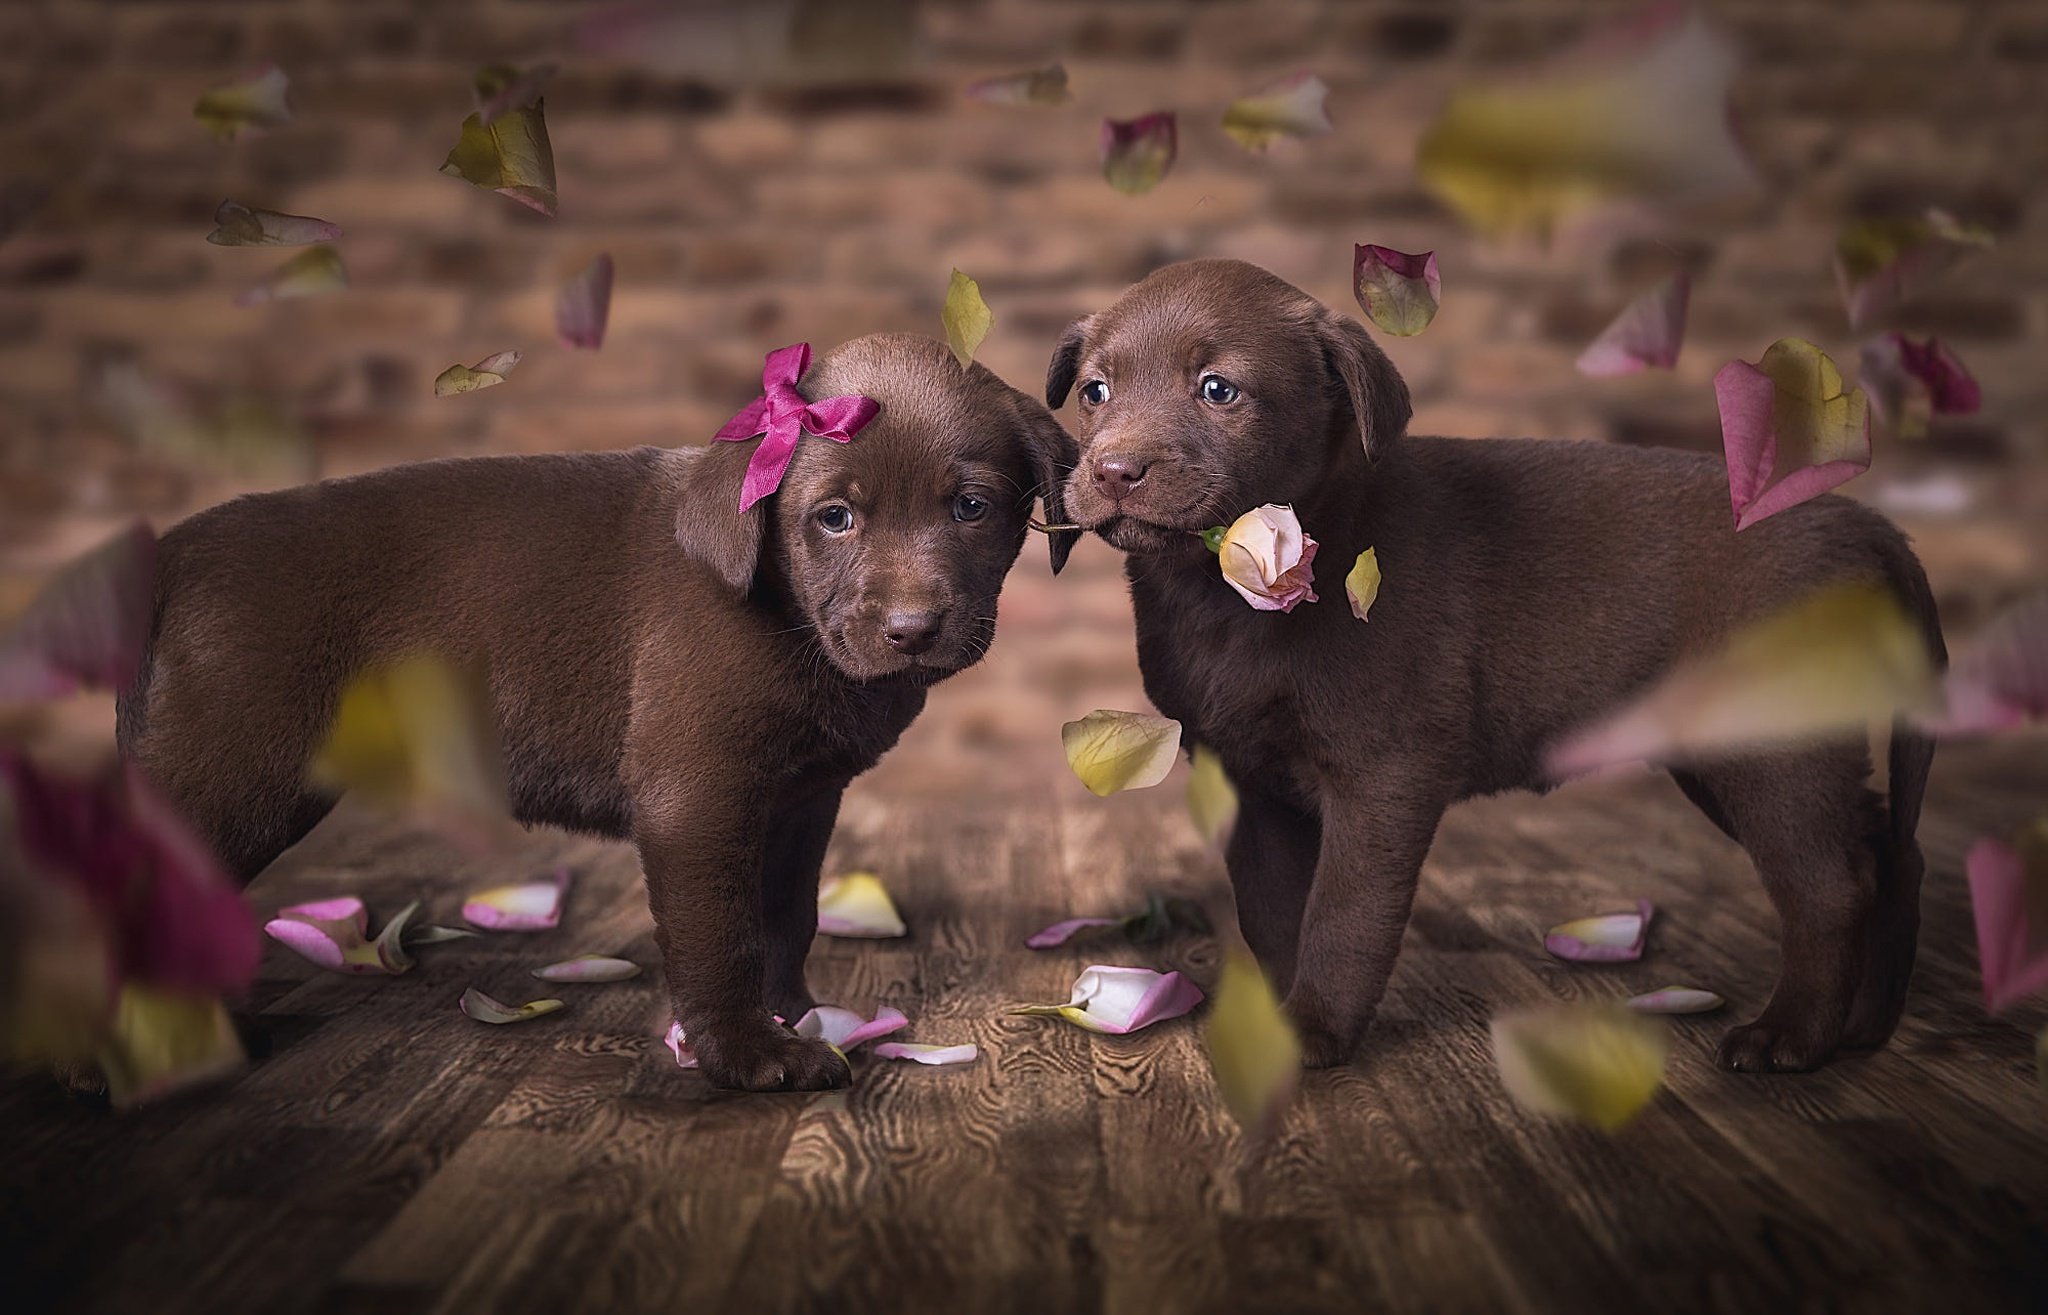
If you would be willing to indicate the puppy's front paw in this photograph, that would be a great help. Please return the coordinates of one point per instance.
(1771, 1045)
(760, 1055)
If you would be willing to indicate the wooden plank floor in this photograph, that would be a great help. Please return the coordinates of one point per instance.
(390, 1154)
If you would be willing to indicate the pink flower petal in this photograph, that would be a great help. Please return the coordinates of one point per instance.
(172, 915)
(1398, 292)
(484, 1009)
(2012, 953)
(923, 1054)
(333, 933)
(1676, 1000)
(846, 1029)
(1949, 384)
(1609, 938)
(236, 225)
(2001, 681)
(529, 906)
(1137, 153)
(1044, 86)
(679, 1046)
(1062, 932)
(1647, 333)
(584, 306)
(87, 627)
(589, 968)
(1883, 263)
(1117, 1000)
(1788, 431)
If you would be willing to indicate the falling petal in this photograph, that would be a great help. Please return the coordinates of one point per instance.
(1638, 117)
(857, 905)
(1292, 107)
(1042, 86)
(1676, 1000)
(1909, 382)
(500, 88)
(1788, 430)
(1881, 264)
(1137, 153)
(1609, 938)
(1829, 665)
(1647, 333)
(246, 435)
(487, 373)
(258, 102)
(966, 318)
(57, 992)
(1061, 932)
(923, 1054)
(1120, 1000)
(1252, 1045)
(528, 906)
(486, 1010)
(164, 1042)
(88, 626)
(510, 156)
(844, 1029)
(581, 310)
(1362, 586)
(312, 273)
(333, 934)
(589, 968)
(171, 915)
(2009, 898)
(239, 226)
(1212, 800)
(1597, 1064)
(1399, 292)
(1950, 386)
(418, 735)
(1112, 751)
(2000, 682)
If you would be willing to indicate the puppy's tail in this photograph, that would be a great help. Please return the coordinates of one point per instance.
(1912, 750)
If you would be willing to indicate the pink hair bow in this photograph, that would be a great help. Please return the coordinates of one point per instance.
(782, 415)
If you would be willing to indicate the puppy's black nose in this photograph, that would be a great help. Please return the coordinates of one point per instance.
(1117, 476)
(911, 633)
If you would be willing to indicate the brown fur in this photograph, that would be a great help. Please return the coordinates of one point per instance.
(660, 666)
(1528, 588)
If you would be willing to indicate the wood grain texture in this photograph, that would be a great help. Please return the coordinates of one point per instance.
(390, 1154)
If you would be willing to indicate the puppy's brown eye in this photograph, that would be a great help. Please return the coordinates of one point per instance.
(1095, 392)
(1217, 389)
(967, 507)
(836, 519)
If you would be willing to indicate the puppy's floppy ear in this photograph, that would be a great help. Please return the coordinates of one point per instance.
(1378, 394)
(1066, 359)
(1053, 456)
(709, 523)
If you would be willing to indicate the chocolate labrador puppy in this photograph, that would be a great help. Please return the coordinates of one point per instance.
(660, 665)
(1529, 587)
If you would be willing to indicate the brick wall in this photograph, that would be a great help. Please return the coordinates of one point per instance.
(742, 218)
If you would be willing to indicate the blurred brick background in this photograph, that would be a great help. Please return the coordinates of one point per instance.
(745, 213)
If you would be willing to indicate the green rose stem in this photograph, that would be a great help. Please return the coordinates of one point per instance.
(1212, 538)
(1051, 529)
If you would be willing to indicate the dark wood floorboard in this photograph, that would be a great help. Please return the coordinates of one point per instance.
(389, 1154)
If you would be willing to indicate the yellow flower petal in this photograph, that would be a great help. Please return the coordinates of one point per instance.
(1597, 1064)
(966, 316)
(1252, 1045)
(857, 905)
(510, 155)
(1212, 800)
(416, 734)
(1362, 586)
(165, 1041)
(1112, 751)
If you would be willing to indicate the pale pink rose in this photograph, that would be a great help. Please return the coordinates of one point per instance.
(1269, 559)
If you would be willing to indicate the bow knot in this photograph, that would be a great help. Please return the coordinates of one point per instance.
(780, 416)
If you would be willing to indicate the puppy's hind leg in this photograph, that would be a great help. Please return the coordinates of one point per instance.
(1806, 818)
(1895, 930)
